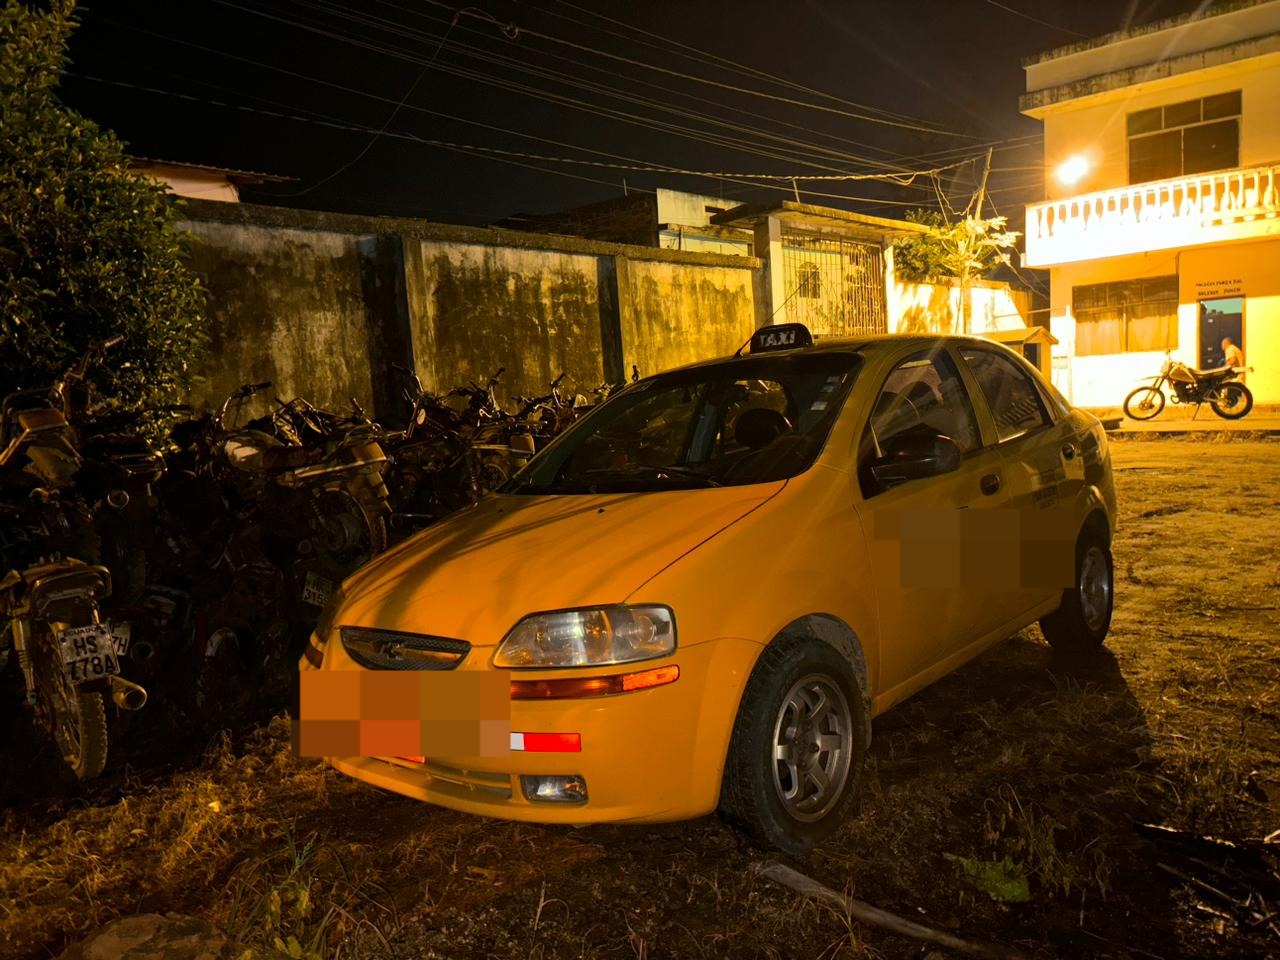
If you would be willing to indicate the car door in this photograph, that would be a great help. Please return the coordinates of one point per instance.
(1043, 467)
(933, 542)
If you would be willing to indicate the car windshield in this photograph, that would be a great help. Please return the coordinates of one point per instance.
(753, 420)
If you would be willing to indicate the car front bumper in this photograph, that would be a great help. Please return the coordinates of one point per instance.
(646, 756)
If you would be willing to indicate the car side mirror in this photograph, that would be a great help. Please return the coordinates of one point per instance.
(914, 456)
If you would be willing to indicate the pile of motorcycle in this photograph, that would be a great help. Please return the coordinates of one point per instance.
(188, 573)
(462, 444)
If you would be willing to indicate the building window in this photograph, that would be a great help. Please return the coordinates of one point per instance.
(1126, 316)
(810, 280)
(1181, 139)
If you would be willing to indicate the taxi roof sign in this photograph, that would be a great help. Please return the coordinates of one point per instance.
(782, 336)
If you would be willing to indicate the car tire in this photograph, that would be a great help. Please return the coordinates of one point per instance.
(1081, 622)
(785, 744)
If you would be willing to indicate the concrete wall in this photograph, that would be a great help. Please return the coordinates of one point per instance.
(282, 305)
(1208, 33)
(680, 313)
(322, 304)
(935, 308)
(476, 308)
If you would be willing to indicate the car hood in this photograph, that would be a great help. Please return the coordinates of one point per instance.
(474, 575)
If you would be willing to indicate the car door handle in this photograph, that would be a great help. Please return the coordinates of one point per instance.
(1068, 451)
(990, 483)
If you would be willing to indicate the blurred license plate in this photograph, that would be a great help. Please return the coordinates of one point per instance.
(316, 589)
(88, 652)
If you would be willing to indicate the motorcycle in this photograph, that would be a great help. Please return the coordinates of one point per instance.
(69, 657)
(456, 447)
(1225, 394)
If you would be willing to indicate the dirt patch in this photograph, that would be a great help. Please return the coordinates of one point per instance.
(1016, 755)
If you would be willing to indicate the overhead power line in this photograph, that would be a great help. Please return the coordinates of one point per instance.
(512, 31)
(522, 65)
(1043, 23)
(502, 156)
(853, 115)
(564, 100)
(545, 158)
(670, 45)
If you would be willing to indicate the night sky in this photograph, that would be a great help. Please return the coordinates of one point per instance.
(299, 88)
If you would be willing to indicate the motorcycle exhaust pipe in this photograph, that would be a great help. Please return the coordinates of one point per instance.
(118, 499)
(126, 694)
(141, 651)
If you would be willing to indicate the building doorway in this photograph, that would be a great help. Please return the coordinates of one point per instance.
(1219, 319)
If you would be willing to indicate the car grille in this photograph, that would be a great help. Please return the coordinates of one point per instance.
(393, 650)
(456, 782)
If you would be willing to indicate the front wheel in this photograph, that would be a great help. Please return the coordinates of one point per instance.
(1233, 401)
(1081, 622)
(1144, 403)
(798, 746)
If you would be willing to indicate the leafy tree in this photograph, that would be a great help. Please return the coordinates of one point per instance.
(962, 251)
(88, 249)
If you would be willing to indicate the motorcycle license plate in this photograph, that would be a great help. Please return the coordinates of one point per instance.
(88, 653)
(316, 589)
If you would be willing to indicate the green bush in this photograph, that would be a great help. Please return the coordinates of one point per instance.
(88, 249)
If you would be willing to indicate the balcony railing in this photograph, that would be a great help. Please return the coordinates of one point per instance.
(1182, 212)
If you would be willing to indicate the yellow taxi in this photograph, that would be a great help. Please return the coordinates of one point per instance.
(701, 594)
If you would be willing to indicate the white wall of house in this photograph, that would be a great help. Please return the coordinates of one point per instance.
(935, 308)
(1095, 127)
(1248, 270)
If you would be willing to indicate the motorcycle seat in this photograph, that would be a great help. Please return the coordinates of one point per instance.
(1214, 372)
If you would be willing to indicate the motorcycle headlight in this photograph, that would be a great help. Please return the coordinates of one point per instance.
(588, 638)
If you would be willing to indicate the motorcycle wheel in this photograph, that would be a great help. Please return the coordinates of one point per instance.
(1232, 402)
(1144, 403)
(492, 473)
(348, 531)
(77, 719)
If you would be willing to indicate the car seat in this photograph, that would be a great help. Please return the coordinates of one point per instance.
(758, 427)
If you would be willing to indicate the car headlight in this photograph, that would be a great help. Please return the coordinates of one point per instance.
(588, 638)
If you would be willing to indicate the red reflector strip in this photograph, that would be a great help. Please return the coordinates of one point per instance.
(571, 688)
(413, 759)
(547, 742)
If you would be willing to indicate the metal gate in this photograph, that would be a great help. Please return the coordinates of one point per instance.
(835, 287)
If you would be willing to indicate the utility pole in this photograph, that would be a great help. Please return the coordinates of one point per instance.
(972, 228)
(982, 188)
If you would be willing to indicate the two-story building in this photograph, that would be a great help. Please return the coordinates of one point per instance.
(1161, 226)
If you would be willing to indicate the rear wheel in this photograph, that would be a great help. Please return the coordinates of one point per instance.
(76, 718)
(798, 746)
(1081, 622)
(87, 756)
(1232, 402)
(1144, 403)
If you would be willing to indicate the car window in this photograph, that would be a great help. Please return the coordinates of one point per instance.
(924, 390)
(1011, 394)
(922, 393)
(750, 420)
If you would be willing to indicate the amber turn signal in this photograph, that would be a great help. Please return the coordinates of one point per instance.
(572, 688)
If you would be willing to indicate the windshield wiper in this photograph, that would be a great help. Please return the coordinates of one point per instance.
(638, 470)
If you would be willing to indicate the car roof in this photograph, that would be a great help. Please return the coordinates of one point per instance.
(861, 345)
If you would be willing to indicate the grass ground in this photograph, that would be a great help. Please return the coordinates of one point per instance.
(1015, 756)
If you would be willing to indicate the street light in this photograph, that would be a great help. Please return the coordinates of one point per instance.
(1072, 170)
